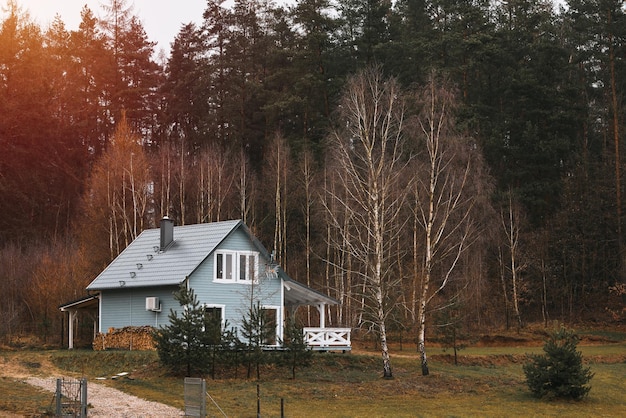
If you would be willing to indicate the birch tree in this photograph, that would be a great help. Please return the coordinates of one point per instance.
(511, 221)
(443, 202)
(245, 187)
(277, 168)
(365, 206)
(217, 177)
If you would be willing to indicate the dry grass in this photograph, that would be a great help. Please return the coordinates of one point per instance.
(488, 382)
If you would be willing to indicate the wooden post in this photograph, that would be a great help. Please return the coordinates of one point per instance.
(258, 401)
(322, 310)
(70, 327)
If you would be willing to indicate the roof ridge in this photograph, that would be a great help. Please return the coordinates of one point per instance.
(186, 252)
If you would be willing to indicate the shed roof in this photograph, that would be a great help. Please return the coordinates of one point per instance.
(297, 294)
(86, 302)
(143, 264)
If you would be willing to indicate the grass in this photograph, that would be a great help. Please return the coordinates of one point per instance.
(19, 397)
(488, 382)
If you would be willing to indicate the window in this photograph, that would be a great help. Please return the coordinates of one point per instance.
(213, 313)
(236, 266)
(213, 319)
(271, 319)
(224, 262)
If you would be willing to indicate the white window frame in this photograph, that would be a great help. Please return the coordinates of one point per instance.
(236, 267)
(278, 334)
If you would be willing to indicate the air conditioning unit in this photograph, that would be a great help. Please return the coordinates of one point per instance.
(152, 304)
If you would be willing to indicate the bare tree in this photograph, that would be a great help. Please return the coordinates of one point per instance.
(216, 183)
(277, 169)
(120, 194)
(365, 206)
(510, 217)
(307, 177)
(245, 189)
(444, 200)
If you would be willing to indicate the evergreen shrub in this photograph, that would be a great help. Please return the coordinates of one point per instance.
(559, 372)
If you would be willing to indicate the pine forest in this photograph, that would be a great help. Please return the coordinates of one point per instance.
(422, 161)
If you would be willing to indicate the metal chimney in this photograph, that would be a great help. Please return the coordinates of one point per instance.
(167, 232)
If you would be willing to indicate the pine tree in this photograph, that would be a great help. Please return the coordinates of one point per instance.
(191, 338)
(559, 373)
(297, 351)
(257, 331)
(451, 329)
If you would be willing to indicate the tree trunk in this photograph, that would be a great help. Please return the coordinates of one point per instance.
(505, 292)
(616, 140)
(387, 373)
(421, 332)
(421, 347)
(512, 230)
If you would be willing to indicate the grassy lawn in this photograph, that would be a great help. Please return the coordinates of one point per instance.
(488, 382)
(22, 398)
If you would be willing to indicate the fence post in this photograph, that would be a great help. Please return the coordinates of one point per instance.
(83, 397)
(195, 400)
(57, 396)
(258, 401)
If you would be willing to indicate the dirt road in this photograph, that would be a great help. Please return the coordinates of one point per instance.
(109, 402)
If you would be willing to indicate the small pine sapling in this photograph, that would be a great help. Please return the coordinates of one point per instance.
(297, 352)
(451, 330)
(258, 331)
(559, 372)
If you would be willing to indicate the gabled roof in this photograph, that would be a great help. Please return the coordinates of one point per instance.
(142, 264)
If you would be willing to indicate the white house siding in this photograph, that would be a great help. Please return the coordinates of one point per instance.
(127, 307)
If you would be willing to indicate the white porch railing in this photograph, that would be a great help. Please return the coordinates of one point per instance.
(328, 338)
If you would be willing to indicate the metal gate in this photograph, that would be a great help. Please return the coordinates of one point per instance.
(71, 398)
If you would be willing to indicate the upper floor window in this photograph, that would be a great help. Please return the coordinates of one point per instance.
(236, 266)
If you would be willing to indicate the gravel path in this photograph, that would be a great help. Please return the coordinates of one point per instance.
(110, 402)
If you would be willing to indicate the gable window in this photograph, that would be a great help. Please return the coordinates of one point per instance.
(224, 263)
(236, 266)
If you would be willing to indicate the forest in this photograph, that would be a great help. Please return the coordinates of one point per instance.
(426, 162)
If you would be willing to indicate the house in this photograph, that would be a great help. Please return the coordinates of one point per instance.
(225, 265)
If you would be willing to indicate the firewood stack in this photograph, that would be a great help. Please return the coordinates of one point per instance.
(127, 338)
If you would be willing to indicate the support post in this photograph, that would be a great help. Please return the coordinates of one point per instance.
(70, 327)
(321, 308)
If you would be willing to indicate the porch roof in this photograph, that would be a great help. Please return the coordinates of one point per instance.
(87, 302)
(297, 294)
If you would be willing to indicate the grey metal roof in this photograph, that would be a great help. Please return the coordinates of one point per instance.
(141, 264)
(297, 294)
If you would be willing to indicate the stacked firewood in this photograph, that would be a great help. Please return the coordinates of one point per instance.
(127, 338)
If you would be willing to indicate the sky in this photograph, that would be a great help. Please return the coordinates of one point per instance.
(162, 19)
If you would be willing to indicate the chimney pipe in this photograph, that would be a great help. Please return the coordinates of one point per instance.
(167, 232)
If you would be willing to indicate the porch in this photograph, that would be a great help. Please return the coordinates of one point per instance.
(88, 306)
(318, 338)
(328, 339)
